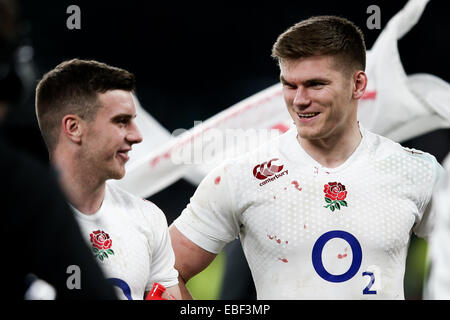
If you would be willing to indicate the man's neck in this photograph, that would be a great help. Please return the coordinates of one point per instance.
(85, 198)
(333, 151)
(84, 191)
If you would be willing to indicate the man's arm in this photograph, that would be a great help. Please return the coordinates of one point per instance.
(190, 259)
(174, 292)
(171, 293)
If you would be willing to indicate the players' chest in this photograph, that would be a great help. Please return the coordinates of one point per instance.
(294, 210)
(117, 242)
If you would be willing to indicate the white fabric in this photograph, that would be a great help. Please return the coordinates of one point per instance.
(279, 219)
(405, 106)
(149, 173)
(438, 284)
(142, 252)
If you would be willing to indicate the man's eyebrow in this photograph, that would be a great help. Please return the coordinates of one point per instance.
(306, 82)
(121, 116)
(322, 80)
(283, 80)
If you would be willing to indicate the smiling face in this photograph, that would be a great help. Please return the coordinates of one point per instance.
(109, 137)
(320, 97)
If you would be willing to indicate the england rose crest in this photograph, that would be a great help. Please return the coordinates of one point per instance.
(101, 244)
(335, 195)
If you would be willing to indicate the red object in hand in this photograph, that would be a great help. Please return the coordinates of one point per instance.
(156, 292)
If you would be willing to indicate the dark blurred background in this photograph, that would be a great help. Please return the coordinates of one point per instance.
(194, 59)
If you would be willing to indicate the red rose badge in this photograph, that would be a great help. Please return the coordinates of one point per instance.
(101, 244)
(335, 195)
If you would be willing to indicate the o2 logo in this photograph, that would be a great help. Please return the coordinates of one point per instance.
(354, 267)
(122, 285)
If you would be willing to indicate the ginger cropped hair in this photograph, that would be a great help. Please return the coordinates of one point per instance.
(72, 87)
(323, 35)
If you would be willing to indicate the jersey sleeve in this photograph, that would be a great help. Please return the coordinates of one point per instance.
(210, 220)
(438, 284)
(426, 219)
(163, 259)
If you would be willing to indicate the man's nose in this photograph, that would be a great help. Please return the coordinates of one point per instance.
(301, 97)
(134, 135)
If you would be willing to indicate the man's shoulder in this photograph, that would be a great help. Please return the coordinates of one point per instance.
(387, 150)
(119, 195)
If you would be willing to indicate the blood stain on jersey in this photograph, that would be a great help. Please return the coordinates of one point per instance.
(412, 150)
(277, 240)
(217, 180)
(272, 237)
(283, 260)
(341, 256)
(296, 185)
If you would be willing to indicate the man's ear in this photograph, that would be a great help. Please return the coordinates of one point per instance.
(72, 127)
(359, 84)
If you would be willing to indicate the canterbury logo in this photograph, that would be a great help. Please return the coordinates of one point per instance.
(266, 169)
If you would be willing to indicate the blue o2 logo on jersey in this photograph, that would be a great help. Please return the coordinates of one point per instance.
(317, 256)
(122, 285)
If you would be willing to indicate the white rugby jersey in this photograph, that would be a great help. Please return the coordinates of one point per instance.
(438, 284)
(309, 232)
(129, 239)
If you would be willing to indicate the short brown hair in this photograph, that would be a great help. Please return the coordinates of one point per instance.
(72, 87)
(323, 35)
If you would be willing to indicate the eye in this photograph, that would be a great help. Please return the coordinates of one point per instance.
(316, 84)
(122, 121)
(288, 85)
